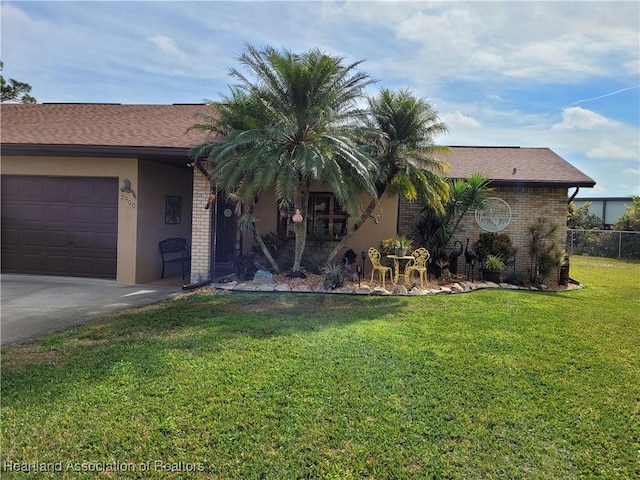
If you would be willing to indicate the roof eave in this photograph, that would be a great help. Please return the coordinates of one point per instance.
(543, 183)
(92, 150)
(537, 183)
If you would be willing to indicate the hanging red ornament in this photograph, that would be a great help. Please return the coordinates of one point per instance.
(297, 217)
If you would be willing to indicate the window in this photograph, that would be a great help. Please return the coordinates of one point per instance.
(325, 217)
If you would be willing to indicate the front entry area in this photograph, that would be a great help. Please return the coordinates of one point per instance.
(225, 237)
(64, 226)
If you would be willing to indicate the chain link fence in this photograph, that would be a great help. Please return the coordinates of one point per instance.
(603, 243)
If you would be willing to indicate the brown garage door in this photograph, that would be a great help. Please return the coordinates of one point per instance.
(59, 225)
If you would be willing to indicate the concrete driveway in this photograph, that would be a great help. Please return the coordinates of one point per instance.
(33, 305)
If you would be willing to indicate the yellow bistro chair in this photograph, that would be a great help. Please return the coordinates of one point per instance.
(374, 256)
(417, 264)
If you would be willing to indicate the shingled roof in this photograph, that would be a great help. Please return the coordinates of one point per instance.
(515, 165)
(103, 127)
(162, 130)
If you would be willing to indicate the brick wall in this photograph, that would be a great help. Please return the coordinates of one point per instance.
(200, 227)
(527, 204)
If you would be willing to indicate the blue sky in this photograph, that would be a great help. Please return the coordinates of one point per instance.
(563, 75)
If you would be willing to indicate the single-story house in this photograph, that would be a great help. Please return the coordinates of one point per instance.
(90, 190)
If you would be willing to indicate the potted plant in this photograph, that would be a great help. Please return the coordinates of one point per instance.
(387, 246)
(402, 244)
(492, 267)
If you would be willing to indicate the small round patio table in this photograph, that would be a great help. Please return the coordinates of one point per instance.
(396, 266)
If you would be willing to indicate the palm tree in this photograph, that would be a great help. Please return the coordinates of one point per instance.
(291, 123)
(404, 127)
(436, 227)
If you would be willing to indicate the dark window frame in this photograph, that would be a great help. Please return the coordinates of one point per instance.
(325, 217)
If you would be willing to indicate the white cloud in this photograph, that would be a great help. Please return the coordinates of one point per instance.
(452, 28)
(632, 67)
(608, 150)
(578, 118)
(542, 41)
(485, 60)
(632, 172)
(167, 45)
(458, 120)
(562, 57)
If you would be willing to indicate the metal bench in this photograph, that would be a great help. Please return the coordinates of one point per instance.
(175, 250)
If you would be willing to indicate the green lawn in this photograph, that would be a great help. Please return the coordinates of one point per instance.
(489, 384)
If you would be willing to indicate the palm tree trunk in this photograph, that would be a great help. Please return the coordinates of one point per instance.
(263, 246)
(364, 216)
(247, 223)
(300, 229)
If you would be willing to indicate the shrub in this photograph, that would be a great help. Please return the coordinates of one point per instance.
(350, 257)
(546, 254)
(335, 274)
(313, 260)
(275, 244)
(497, 245)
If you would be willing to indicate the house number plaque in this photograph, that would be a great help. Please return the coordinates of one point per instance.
(494, 215)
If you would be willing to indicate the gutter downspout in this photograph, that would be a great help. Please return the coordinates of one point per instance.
(574, 195)
(212, 262)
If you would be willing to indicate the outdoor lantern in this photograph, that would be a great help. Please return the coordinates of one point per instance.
(297, 217)
(359, 269)
(364, 255)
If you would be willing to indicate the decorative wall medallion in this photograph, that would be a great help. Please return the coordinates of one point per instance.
(126, 187)
(128, 194)
(494, 215)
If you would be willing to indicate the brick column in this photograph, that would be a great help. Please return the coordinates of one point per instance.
(200, 227)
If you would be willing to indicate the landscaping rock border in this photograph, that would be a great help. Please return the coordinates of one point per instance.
(365, 289)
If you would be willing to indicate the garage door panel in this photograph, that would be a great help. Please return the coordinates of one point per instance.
(11, 259)
(57, 265)
(32, 188)
(33, 261)
(84, 239)
(107, 241)
(58, 238)
(58, 189)
(83, 265)
(60, 225)
(59, 214)
(106, 265)
(107, 216)
(11, 237)
(10, 189)
(32, 213)
(83, 215)
(34, 237)
(10, 210)
(86, 193)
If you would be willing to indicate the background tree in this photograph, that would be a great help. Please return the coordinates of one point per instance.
(291, 122)
(401, 138)
(14, 91)
(582, 218)
(629, 221)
